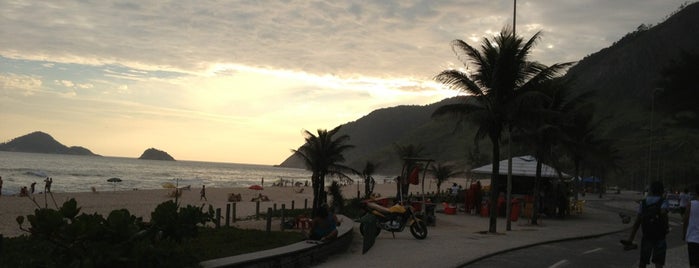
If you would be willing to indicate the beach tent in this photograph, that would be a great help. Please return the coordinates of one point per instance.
(523, 173)
(524, 166)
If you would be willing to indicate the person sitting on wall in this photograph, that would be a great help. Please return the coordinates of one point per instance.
(324, 225)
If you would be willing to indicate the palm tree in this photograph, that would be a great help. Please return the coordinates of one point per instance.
(442, 173)
(367, 172)
(323, 155)
(603, 158)
(549, 115)
(502, 70)
(580, 139)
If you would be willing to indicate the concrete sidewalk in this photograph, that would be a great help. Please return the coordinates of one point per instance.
(458, 239)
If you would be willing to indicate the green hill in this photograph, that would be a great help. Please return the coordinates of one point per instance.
(624, 76)
(40, 142)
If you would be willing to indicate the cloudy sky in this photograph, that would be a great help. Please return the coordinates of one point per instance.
(238, 81)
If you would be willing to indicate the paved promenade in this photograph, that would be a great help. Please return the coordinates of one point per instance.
(458, 239)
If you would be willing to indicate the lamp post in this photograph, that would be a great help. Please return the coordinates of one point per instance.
(508, 205)
(514, 18)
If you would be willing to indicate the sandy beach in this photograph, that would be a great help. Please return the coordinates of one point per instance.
(142, 202)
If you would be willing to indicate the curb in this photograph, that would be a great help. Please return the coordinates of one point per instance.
(540, 243)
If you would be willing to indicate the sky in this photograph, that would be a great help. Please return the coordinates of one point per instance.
(239, 81)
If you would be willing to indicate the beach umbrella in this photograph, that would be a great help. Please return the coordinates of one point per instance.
(114, 180)
(256, 187)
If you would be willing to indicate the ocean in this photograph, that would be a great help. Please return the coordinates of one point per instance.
(75, 173)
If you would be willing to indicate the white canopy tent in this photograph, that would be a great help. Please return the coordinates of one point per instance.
(522, 166)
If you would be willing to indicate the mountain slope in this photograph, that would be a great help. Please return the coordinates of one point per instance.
(40, 142)
(376, 134)
(624, 77)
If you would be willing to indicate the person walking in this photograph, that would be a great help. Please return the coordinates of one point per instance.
(478, 196)
(203, 193)
(684, 201)
(690, 230)
(653, 220)
(32, 187)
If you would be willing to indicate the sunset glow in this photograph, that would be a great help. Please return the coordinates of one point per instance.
(234, 82)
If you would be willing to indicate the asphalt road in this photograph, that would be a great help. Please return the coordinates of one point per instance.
(604, 251)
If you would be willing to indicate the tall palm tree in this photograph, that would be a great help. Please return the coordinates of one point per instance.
(442, 173)
(323, 155)
(580, 139)
(548, 116)
(502, 69)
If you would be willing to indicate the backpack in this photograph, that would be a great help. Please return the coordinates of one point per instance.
(654, 222)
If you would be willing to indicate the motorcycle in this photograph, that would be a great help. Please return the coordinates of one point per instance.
(393, 219)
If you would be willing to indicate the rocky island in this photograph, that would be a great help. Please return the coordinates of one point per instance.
(155, 154)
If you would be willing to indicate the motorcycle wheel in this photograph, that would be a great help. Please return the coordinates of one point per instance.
(362, 227)
(419, 229)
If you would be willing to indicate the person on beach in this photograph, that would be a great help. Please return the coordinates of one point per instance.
(23, 191)
(203, 193)
(653, 220)
(46, 185)
(0, 185)
(454, 190)
(32, 187)
(690, 229)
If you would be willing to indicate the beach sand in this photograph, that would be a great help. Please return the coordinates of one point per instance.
(142, 202)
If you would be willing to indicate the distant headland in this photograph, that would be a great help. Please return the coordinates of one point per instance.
(40, 142)
(155, 154)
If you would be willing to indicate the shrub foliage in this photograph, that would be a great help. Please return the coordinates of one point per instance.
(67, 238)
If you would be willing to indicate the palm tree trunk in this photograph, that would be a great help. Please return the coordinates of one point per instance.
(492, 227)
(537, 179)
(319, 196)
(508, 204)
(316, 195)
(367, 191)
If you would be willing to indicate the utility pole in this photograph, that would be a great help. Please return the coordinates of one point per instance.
(514, 18)
(508, 205)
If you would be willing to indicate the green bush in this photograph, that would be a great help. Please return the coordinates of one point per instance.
(62, 238)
